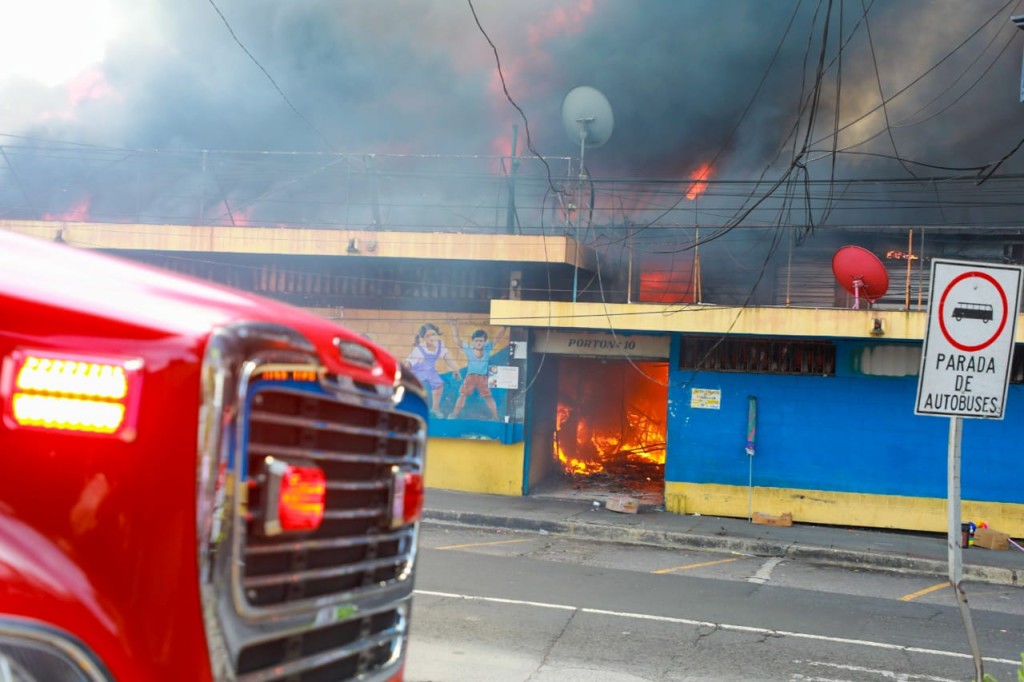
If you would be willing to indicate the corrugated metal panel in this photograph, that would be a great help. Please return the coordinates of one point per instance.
(809, 285)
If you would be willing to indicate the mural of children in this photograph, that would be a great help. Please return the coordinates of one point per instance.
(478, 356)
(427, 349)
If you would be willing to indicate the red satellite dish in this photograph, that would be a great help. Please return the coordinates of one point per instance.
(861, 273)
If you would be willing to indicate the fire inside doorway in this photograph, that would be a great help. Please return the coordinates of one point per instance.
(609, 428)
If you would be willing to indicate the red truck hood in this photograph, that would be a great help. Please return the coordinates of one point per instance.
(59, 278)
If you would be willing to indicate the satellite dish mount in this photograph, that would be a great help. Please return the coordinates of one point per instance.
(584, 124)
(858, 284)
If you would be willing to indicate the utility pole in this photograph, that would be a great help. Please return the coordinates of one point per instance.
(583, 123)
(513, 166)
(1018, 21)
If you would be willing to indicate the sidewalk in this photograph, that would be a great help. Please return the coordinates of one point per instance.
(922, 553)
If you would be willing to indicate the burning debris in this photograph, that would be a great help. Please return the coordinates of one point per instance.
(609, 426)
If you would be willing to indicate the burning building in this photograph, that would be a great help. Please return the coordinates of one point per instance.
(610, 424)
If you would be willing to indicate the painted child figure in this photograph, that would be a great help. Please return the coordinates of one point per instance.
(478, 356)
(427, 349)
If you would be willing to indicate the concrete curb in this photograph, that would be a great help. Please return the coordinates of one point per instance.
(812, 554)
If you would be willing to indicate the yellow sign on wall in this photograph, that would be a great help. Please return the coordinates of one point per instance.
(706, 398)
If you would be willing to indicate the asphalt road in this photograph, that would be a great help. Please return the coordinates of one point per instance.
(517, 607)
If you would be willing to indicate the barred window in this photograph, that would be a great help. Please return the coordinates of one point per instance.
(758, 355)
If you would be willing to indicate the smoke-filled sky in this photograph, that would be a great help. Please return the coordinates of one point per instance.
(419, 77)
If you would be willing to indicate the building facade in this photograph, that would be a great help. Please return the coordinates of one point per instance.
(599, 376)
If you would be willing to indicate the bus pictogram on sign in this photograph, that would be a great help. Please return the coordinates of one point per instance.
(973, 311)
(978, 296)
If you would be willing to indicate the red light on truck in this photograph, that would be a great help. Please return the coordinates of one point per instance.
(53, 412)
(70, 393)
(301, 500)
(406, 497)
(296, 497)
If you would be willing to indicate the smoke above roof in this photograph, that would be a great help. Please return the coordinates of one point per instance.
(731, 83)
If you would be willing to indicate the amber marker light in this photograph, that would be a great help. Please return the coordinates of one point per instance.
(70, 393)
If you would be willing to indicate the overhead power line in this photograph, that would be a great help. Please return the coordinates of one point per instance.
(323, 138)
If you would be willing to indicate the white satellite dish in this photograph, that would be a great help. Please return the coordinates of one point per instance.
(587, 116)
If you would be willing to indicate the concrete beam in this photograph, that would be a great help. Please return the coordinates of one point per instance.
(713, 319)
(312, 242)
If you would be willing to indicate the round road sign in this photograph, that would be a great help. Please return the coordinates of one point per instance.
(973, 311)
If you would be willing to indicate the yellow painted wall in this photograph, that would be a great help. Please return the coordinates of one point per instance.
(475, 466)
(842, 509)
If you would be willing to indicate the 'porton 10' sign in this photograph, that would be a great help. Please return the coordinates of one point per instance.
(600, 343)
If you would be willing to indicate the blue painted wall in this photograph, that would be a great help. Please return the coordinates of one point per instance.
(846, 433)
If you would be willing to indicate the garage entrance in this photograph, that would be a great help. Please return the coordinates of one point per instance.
(599, 428)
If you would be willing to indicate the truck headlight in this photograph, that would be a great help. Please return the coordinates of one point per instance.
(34, 652)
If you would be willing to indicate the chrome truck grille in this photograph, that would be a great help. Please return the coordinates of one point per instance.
(354, 549)
(327, 604)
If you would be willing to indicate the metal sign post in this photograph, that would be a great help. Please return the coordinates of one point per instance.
(965, 371)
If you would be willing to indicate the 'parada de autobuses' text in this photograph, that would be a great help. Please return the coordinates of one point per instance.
(957, 362)
(968, 366)
(955, 402)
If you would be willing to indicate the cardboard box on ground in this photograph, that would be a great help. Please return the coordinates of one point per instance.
(989, 538)
(623, 503)
(764, 519)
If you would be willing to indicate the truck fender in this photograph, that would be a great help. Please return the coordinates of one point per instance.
(41, 582)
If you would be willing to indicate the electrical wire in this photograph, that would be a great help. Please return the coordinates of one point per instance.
(905, 121)
(746, 109)
(323, 138)
(504, 88)
(881, 96)
(835, 117)
(997, 14)
(18, 183)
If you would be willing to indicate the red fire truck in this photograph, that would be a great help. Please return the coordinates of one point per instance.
(196, 483)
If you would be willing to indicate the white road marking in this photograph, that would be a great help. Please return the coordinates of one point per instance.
(886, 674)
(496, 600)
(764, 574)
(483, 544)
(721, 626)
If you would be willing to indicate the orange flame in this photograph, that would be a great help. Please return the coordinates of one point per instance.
(647, 445)
(234, 217)
(585, 446)
(571, 465)
(699, 182)
(78, 213)
(529, 70)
